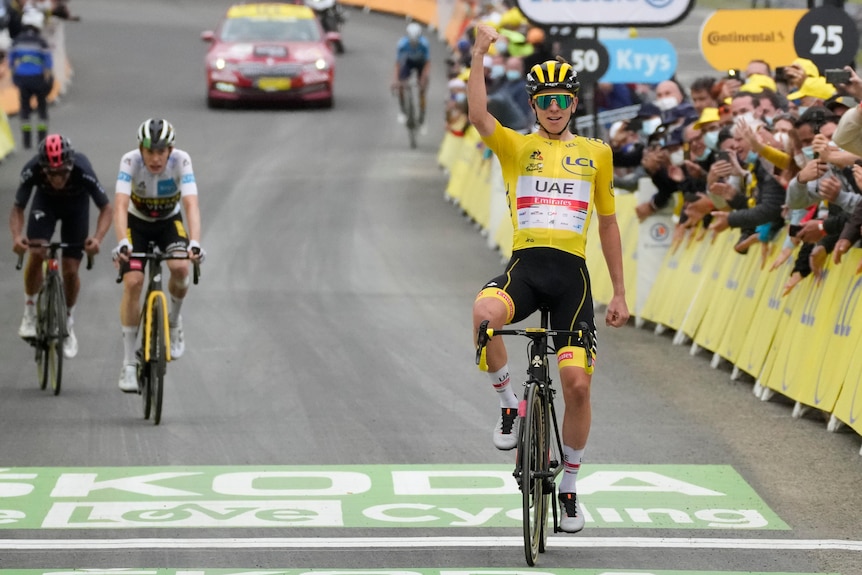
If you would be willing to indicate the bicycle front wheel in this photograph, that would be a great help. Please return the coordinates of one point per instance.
(410, 111)
(40, 341)
(158, 359)
(534, 464)
(56, 332)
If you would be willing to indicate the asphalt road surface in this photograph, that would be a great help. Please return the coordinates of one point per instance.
(327, 414)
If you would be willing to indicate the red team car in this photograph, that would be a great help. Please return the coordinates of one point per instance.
(270, 52)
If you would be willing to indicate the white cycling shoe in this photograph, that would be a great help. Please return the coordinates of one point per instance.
(506, 430)
(129, 378)
(70, 344)
(571, 515)
(28, 326)
(178, 344)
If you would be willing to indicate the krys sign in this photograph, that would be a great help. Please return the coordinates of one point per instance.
(639, 60)
(653, 496)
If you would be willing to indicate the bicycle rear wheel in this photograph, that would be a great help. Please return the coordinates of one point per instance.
(158, 360)
(534, 457)
(56, 332)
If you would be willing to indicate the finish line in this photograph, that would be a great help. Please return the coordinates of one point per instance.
(427, 542)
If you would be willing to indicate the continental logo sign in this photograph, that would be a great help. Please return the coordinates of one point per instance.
(732, 38)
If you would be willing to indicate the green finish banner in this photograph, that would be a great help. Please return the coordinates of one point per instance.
(703, 497)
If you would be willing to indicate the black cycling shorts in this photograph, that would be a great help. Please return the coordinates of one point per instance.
(169, 235)
(547, 278)
(407, 68)
(72, 210)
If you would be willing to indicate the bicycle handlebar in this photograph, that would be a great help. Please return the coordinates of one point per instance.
(159, 256)
(536, 334)
(52, 248)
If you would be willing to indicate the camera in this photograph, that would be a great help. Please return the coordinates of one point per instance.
(735, 74)
(836, 76)
(780, 74)
(793, 229)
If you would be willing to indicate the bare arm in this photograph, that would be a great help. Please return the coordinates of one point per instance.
(477, 95)
(16, 226)
(193, 217)
(609, 234)
(121, 215)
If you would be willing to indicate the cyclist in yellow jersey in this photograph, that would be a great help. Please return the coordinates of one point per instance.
(554, 181)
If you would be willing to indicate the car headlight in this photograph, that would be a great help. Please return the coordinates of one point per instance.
(319, 64)
(220, 64)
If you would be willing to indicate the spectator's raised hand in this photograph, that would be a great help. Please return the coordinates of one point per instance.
(782, 257)
(719, 222)
(811, 232)
(841, 248)
(821, 147)
(854, 86)
(829, 188)
(695, 211)
(792, 282)
(817, 260)
(813, 170)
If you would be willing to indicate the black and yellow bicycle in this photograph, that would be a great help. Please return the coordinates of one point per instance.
(539, 458)
(51, 328)
(154, 352)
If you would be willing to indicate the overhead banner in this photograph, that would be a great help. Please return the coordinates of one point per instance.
(643, 13)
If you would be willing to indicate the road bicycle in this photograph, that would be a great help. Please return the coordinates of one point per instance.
(410, 108)
(539, 454)
(51, 328)
(154, 352)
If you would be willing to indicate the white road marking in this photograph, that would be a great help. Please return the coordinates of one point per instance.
(423, 542)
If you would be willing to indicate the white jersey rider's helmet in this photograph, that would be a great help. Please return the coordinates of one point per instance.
(34, 18)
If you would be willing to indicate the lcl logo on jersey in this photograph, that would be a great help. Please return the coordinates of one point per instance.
(578, 166)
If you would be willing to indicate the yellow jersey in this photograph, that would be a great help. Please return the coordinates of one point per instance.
(552, 187)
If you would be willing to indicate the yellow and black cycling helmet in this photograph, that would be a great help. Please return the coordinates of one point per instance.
(553, 75)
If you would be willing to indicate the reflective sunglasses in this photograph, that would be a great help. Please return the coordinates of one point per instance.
(543, 101)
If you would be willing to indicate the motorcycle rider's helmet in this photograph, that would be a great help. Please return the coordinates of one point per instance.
(156, 134)
(414, 31)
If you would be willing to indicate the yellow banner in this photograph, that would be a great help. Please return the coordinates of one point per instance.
(732, 38)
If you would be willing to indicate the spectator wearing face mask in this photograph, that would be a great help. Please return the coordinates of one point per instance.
(665, 163)
(456, 107)
(516, 85)
(813, 92)
(754, 196)
(628, 153)
(501, 103)
(668, 95)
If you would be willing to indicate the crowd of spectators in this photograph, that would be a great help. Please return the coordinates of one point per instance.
(750, 149)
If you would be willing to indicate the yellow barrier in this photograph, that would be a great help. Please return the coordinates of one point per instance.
(806, 345)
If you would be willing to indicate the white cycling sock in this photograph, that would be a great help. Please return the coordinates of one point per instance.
(500, 381)
(130, 341)
(70, 320)
(572, 464)
(176, 305)
(30, 305)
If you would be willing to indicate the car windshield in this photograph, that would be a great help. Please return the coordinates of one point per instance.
(257, 29)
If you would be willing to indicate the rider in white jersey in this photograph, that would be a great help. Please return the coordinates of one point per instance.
(155, 185)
